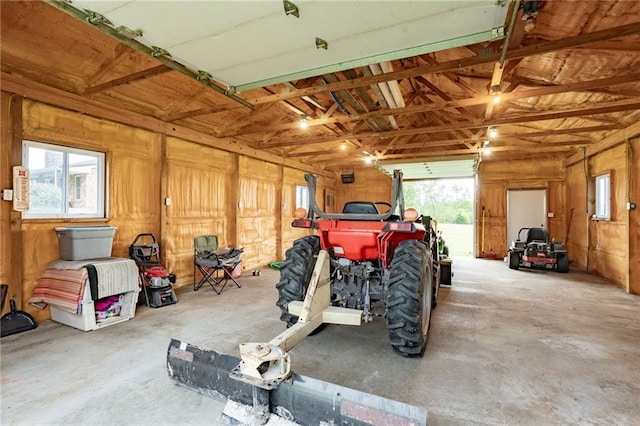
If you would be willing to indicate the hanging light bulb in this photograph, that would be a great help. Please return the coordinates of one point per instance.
(367, 159)
(303, 122)
(493, 132)
(496, 92)
(343, 145)
(486, 143)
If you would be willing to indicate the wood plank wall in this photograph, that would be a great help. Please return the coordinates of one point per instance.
(370, 185)
(600, 246)
(158, 184)
(608, 239)
(199, 185)
(495, 178)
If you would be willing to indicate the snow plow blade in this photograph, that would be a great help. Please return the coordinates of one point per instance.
(298, 400)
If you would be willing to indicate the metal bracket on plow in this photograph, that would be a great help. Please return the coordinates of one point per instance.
(267, 364)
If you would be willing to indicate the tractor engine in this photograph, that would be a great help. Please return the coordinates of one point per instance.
(357, 285)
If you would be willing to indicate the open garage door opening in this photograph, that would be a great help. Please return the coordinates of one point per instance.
(444, 190)
(450, 202)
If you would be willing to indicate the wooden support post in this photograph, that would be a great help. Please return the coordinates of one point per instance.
(633, 171)
(234, 207)
(16, 286)
(278, 212)
(163, 196)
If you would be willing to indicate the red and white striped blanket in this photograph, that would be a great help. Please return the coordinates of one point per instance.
(60, 287)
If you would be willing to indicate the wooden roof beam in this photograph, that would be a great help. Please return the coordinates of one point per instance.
(417, 109)
(605, 108)
(127, 79)
(336, 161)
(508, 137)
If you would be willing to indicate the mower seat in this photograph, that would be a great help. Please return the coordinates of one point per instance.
(216, 265)
(537, 234)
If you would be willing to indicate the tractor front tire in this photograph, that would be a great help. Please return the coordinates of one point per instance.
(295, 274)
(562, 263)
(514, 260)
(409, 298)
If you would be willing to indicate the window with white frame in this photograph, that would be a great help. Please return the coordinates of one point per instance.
(64, 182)
(302, 196)
(603, 196)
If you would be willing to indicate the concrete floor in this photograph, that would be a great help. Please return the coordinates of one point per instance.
(506, 347)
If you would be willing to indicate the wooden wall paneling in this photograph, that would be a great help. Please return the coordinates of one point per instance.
(258, 208)
(492, 228)
(556, 205)
(200, 186)
(370, 185)
(608, 240)
(633, 279)
(40, 247)
(522, 170)
(135, 167)
(577, 220)
(607, 257)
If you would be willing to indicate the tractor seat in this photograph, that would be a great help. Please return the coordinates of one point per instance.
(536, 234)
(360, 207)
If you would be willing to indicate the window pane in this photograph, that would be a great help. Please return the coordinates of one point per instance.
(603, 201)
(64, 182)
(83, 197)
(46, 181)
(302, 196)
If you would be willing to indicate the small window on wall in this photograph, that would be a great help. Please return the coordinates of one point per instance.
(603, 196)
(302, 196)
(64, 182)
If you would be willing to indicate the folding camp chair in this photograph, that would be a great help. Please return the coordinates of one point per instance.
(216, 265)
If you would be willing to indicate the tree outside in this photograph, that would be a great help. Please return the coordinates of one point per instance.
(447, 200)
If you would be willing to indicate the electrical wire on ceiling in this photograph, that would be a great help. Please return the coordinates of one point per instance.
(341, 107)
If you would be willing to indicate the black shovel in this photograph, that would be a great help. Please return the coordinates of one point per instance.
(15, 321)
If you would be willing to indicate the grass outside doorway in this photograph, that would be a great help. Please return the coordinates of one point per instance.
(458, 237)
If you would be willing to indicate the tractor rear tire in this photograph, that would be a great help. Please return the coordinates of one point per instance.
(514, 260)
(295, 274)
(562, 263)
(409, 298)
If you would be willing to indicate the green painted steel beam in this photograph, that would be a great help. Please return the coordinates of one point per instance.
(101, 23)
(489, 35)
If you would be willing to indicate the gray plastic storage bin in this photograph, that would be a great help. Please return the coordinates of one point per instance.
(85, 242)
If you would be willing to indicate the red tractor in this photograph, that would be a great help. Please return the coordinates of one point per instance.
(363, 263)
(383, 262)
